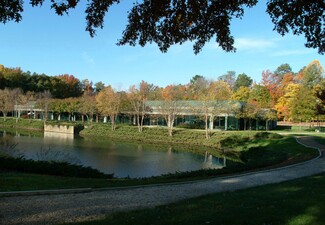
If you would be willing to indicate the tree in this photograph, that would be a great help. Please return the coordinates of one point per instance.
(8, 99)
(229, 78)
(71, 107)
(43, 102)
(212, 99)
(59, 106)
(197, 84)
(71, 86)
(108, 103)
(242, 81)
(303, 105)
(87, 107)
(99, 86)
(171, 105)
(283, 69)
(312, 74)
(87, 87)
(272, 82)
(242, 94)
(138, 97)
(261, 96)
(297, 104)
(302, 17)
(168, 22)
(247, 112)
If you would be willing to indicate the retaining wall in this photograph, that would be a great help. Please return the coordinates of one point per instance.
(59, 129)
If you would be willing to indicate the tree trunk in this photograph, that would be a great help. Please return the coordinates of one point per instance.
(138, 121)
(267, 125)
(112, 117)
(206, 126)
(141, 124)
(170, 124)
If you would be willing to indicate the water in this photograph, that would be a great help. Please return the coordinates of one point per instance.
(120, 158)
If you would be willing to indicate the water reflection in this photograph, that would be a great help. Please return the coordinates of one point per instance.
(121, 158)
(212, 162)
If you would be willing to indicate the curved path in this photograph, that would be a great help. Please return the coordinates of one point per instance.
(59, 208)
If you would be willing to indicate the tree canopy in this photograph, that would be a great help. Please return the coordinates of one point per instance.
(169, 22)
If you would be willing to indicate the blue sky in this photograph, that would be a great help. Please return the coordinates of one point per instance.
(46, 43)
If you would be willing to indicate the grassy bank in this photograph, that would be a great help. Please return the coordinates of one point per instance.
(159, 135)
(291, 203)
(29, 124)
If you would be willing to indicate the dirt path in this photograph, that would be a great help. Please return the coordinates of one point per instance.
(53, 209)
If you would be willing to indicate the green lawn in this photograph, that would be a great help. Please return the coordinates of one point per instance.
(299, 202)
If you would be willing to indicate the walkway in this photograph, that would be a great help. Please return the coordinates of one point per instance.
(53, 209)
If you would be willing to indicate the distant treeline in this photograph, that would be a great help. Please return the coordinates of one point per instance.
(61, 86)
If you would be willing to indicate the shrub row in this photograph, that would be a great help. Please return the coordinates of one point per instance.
(8, 163)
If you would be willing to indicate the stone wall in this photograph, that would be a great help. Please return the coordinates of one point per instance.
(59, 129)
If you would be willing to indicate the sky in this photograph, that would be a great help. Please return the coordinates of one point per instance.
(46, 43)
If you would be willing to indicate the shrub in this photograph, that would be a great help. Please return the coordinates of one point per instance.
(49, 168)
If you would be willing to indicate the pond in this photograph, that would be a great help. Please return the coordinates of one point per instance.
(123, 159)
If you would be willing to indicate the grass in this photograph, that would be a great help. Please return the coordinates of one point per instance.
(320, 139)
(13, 181)
(30, 124)
(298, 202)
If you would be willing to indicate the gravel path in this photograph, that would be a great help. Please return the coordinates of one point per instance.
(59, 208)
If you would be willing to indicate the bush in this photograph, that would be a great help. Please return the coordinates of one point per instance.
(49, 168)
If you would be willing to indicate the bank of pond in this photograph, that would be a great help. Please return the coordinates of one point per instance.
(147, 157)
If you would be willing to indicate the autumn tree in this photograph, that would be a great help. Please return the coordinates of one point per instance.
(58, 106)
(303, 106)
(7, 102)
(272, 82)
(212, 99)
(319, 92)
(220, 93)
(261, 95)
(241, 94)
(229, 78)
(70, 86)
(312, 74)
(87, 107)
(198, 83)
(138, 95)
(108, 103)
(297, 104)
(43, 101)
(203, 93)
(248, 112)
(260, 99)
(71, 107)
(167, 22)
(171, 105)
(87, 87)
